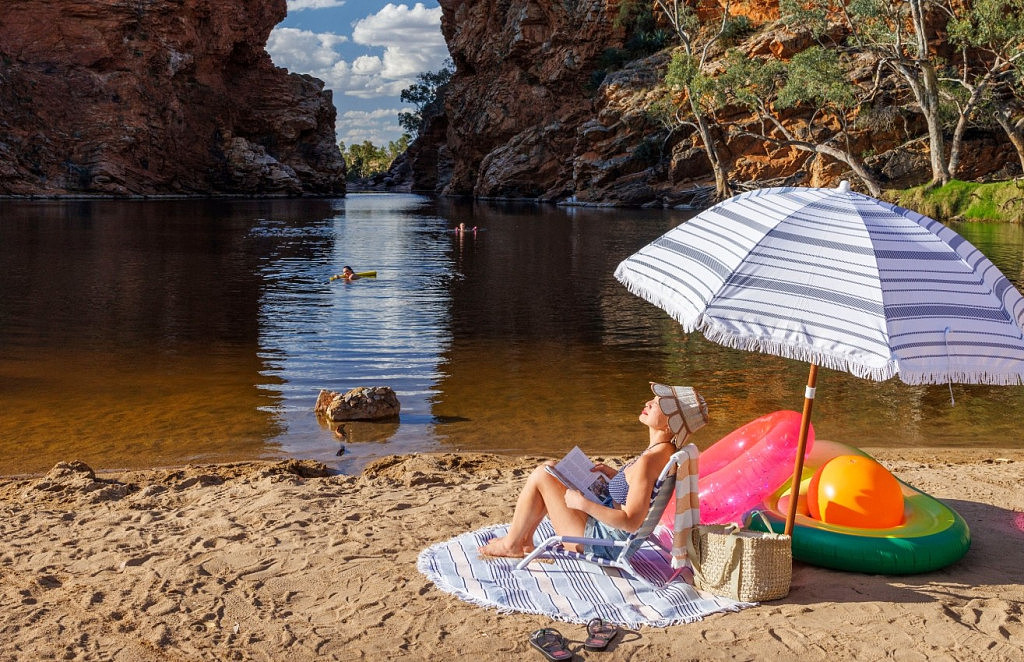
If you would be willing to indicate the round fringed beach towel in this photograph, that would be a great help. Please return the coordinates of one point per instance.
(565, 589)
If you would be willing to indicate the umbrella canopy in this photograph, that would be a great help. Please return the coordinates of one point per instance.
(837, 279)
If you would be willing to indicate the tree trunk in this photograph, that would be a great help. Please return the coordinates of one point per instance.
(1013, 131)
(936, 140)
(926, 89)
(722, 188)
(855, 164)
(954, 145)
(976, 92)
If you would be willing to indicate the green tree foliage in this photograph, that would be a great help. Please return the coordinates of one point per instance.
(365, 160)
(807, 102)
(982, 71)
(990, 37)
(816, 76)
(814, 80)
(686, 76)
(900, 35)
(425, 91)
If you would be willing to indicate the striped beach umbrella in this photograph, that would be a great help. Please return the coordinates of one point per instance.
(840, 280)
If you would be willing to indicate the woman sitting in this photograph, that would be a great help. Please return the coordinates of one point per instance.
(670, 417)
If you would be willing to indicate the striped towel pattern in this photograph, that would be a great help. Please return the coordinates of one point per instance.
(839, 279)
(568, 590)
(687, 505)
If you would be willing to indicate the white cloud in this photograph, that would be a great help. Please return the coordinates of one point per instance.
(299, 5)
(366, 65)
(411, 39)
(377, 126)
(303, 51)
(397, 44)
(417, 26)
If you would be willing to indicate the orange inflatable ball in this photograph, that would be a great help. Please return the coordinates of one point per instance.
(853, 490)
(812, 494)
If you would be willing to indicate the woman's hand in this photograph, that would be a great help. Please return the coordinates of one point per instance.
(605, 469)
(574, 499)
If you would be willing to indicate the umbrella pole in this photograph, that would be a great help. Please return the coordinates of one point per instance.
(798, 464)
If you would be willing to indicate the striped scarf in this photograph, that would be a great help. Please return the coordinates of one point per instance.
(687, 504)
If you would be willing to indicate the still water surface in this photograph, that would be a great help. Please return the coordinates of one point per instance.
(140, 334)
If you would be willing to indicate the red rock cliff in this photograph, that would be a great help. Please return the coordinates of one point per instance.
(149, 97)
(522, 69)
(527, 115)
(524, 117)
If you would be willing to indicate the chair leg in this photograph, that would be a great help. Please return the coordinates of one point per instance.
(537, 551)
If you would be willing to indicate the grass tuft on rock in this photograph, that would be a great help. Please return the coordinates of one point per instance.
(967, 201)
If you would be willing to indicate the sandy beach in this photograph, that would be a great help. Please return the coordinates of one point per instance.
(275, 561)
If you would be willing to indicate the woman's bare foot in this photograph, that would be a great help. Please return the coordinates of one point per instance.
(506, 548)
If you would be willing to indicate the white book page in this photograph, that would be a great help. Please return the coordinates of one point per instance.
(574, 471)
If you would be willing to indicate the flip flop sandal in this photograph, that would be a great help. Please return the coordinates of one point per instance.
(551, 644)
(599, 634)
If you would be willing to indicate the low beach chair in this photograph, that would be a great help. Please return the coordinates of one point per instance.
(664, 491)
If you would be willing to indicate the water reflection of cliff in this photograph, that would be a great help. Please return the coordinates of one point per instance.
(129, 331)
(547, 348)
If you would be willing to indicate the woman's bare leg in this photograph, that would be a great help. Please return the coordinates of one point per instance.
(542, 495)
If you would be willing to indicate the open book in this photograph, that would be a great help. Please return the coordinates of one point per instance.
(574, 471)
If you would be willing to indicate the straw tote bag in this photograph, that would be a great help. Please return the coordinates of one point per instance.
(749, 566)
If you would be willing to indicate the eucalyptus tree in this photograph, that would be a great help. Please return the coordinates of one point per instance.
(425, 91)
(989, 35)
(775, 92)
(899, 34)
(686, 74)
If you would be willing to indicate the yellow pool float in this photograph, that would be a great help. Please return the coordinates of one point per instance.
(360, 274)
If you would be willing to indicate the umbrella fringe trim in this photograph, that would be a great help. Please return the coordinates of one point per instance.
(989, 378)
(805, 354)
(713, 332)
(890, 370)
(654, 296)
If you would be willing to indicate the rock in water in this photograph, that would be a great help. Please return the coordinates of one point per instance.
(363, 403)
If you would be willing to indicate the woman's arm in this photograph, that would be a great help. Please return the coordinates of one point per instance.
(641, 478)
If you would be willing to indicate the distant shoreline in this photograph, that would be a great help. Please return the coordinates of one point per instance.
(174, 196)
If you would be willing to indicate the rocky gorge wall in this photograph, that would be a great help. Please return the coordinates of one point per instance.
(152, 97)
(523, 117)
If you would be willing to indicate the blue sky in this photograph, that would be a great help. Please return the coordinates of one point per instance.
(367, 52)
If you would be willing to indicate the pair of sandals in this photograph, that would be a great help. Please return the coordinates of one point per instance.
(554, 646)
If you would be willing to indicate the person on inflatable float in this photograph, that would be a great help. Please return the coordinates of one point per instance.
(671, 416)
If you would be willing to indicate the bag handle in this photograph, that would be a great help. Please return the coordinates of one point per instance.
(731, 530)
(765, 521)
